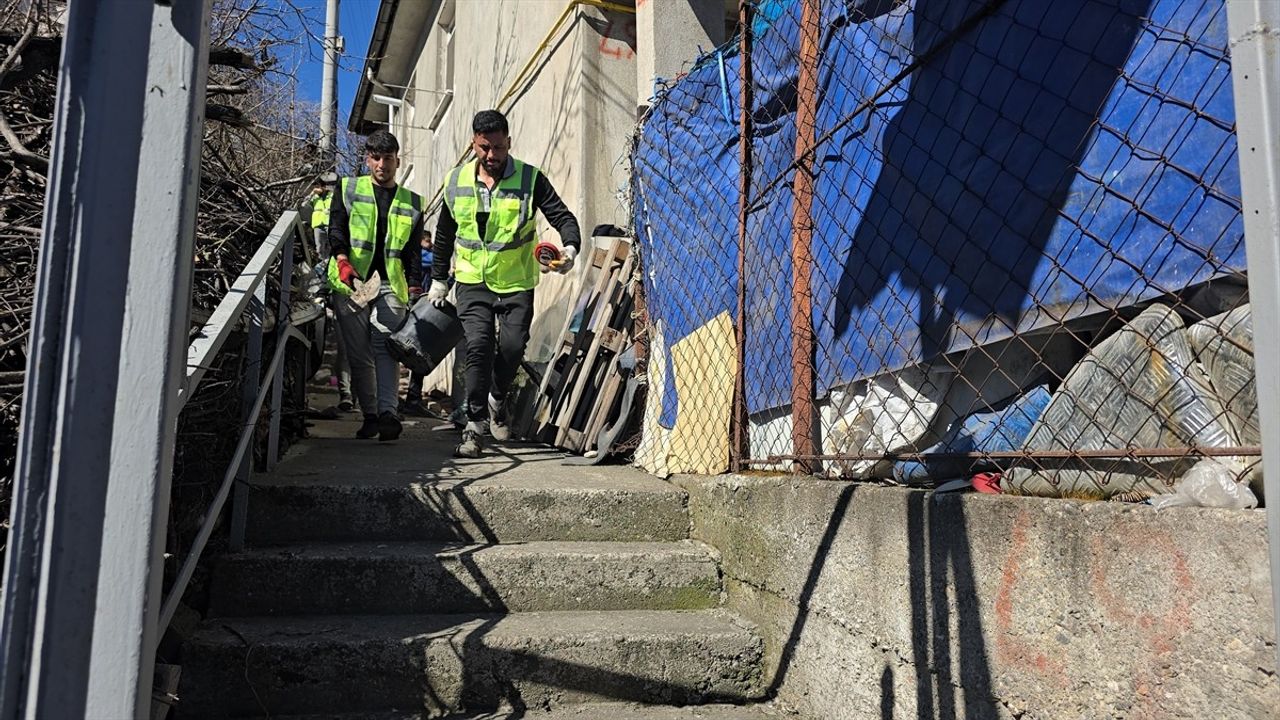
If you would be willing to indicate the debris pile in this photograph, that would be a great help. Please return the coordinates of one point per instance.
(258, 158)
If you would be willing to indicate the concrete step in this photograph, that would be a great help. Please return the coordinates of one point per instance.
(445, 664)
(339, 489)
(631, 711)
(588, 711)
(340, 716)
(618, 505)
(422, 578)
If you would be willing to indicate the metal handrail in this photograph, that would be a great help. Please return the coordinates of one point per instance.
(224, 318)
(245, 298)
(224, 490)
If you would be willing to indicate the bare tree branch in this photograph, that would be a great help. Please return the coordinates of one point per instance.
(232, 57)
(20, 151)
(238, 89)
(226, 114)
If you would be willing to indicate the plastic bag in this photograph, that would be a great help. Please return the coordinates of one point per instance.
(992, 430)
(891, 415)
(1210, 483)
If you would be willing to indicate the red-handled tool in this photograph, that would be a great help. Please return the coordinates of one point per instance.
(546, 253)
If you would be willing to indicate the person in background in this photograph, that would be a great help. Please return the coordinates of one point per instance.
(486, 229)
(375, 227)
(413, 400)
(321, 201)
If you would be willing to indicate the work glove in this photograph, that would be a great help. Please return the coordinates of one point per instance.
(565, 263)
(347, 273)
(438, 292)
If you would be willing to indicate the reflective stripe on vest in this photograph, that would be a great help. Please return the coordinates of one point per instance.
(362, 228)
(500, 259)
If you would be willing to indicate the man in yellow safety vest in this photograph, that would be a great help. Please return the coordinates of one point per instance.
(375, 226)
(487, 228)
(321, 201)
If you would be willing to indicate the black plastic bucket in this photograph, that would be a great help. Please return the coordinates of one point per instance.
(427, 337)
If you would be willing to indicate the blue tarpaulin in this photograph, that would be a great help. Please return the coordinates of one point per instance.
(995, 167)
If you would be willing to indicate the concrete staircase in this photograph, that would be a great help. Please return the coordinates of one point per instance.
(390, 581)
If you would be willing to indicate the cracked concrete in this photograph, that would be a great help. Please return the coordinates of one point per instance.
(892, 603)
(390, 580)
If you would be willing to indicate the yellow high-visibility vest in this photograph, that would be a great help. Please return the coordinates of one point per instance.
(503, 259)
(362, 207)
(320, 211)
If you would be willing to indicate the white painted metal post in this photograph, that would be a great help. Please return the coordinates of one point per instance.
(107, 349)
(250, 384)
(282, 336)
(1254, 27)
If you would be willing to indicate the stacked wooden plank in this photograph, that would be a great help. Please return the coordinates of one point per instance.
(583, 386)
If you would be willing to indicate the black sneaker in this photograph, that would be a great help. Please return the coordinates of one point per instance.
(414, 407)
(346, 406)
(369, 429)
(389, 427)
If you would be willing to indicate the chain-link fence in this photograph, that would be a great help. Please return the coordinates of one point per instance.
(994, 241)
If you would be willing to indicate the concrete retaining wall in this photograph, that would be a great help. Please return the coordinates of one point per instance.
(891, 603)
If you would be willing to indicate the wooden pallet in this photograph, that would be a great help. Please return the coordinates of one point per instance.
(582, 386)
(532, 418)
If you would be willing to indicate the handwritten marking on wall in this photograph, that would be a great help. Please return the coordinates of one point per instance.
(1012, 650)
(1159, 628)
(618, 39)
(1150, 633)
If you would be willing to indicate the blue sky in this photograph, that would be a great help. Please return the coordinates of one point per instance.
(355, 24)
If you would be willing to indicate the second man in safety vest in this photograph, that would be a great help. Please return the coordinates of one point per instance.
(487, 228)
(375, 226)
(321, 201)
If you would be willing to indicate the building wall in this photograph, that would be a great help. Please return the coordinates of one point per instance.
(573, 118)
(892, 603)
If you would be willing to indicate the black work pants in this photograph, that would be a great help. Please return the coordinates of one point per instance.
(478, 308)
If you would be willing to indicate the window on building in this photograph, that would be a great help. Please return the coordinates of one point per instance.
(444, 61)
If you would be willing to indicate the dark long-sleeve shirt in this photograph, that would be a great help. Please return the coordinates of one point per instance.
(545, 199)
(340, 236)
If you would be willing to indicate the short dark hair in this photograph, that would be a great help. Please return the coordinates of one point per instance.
(487, 121)
(382, 142)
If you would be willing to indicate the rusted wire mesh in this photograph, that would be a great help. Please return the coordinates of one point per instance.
(991, 241)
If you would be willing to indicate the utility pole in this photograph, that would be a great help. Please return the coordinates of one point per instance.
(329, 93)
